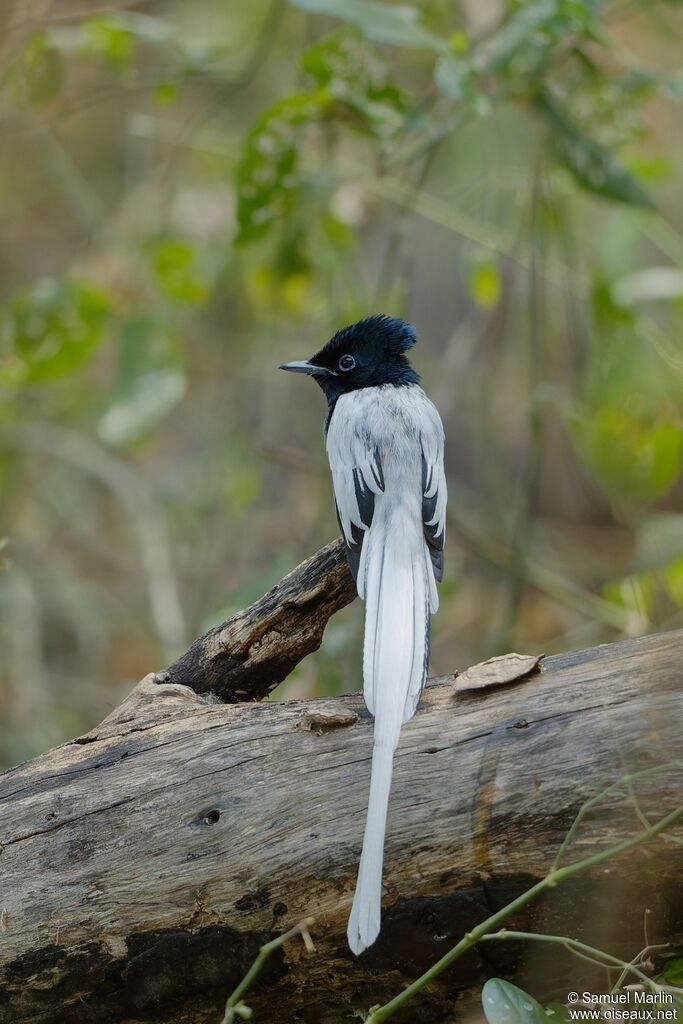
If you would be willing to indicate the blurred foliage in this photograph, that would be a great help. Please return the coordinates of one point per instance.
(192, 195)
(50, 329)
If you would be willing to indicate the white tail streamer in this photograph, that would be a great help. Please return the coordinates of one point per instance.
(396, 574)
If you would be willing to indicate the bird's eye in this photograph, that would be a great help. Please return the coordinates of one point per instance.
(347, 363)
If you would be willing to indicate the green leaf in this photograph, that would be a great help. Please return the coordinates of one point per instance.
(504, 1003)
(268, 171)
(343, 65)
(50, 330)
(591, 164)
(398, 24)
(352, 86)
(673, 971)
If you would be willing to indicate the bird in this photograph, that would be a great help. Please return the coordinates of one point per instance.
(385, 445)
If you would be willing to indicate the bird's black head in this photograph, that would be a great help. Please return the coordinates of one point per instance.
(364, 355)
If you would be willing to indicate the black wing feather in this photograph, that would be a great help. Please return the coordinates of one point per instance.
(435, 540)
(365, 498)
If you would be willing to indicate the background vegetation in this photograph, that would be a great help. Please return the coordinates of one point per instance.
(193, 193)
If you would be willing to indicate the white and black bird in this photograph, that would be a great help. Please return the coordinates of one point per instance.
(385, 445)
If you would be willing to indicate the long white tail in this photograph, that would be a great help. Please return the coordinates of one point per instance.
(396, 580)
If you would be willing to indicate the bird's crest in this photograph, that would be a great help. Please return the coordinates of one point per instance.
(379, 334)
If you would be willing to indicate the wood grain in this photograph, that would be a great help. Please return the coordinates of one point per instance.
(143, 864)
(247, 656)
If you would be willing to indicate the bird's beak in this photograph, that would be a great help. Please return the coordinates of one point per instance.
(299, 366)
(304, 366)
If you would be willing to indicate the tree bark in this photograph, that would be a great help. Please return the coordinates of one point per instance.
(144, 863)
(246, 657)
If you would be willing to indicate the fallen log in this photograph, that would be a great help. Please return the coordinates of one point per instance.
(144, 863)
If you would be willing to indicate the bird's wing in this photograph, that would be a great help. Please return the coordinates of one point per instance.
(434, 491)
(357, 477)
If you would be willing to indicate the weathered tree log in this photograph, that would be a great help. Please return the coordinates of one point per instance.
(143, 864)
(246, 657)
